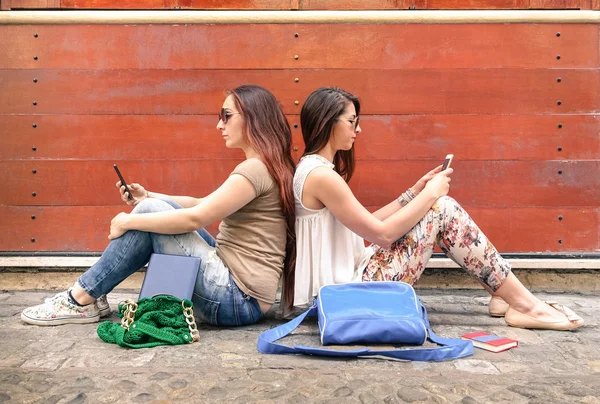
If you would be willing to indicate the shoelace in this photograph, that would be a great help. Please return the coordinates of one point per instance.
(54, 298)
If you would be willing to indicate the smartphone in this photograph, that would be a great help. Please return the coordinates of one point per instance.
(447, 161)
(123, 182)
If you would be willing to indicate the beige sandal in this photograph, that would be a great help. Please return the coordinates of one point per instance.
(520, 320)
(497, 307)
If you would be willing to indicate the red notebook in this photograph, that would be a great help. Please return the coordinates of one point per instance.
(490, 342)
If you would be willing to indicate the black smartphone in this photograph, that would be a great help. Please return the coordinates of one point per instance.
(123, 182)
(447, 161)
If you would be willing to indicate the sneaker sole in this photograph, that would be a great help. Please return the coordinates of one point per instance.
(105, 312)
(59, 321)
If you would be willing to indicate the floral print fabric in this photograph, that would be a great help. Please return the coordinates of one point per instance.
(448, 225)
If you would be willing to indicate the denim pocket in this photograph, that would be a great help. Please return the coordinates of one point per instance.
(251, 312)
(206, 309)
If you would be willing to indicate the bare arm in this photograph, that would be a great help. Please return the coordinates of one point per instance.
(184, 201)
(235, 193)
(395, 205)
(388, 210)
(139, 193)
(331, 190)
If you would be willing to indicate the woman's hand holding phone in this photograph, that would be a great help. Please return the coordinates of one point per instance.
(439, 185)
(420, 185)
(130, 194)
(138, 193)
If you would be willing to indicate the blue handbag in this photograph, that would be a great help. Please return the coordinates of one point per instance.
(369, 313)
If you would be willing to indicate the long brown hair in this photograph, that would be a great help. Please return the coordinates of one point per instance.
(319, 113)
(269, 133)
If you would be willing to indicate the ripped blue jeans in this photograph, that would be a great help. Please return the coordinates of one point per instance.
(217, 299)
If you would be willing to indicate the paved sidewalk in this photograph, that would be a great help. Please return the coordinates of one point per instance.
(70, 364)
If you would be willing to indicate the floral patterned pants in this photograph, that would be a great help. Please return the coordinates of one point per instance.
(449, 226)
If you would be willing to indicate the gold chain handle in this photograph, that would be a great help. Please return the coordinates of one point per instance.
(188, 312)
(129, 313)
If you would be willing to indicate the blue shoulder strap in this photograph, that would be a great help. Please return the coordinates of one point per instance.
(450, 349)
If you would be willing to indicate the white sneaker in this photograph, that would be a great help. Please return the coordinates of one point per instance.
(102, 302)
(103, 306)
(58, 310)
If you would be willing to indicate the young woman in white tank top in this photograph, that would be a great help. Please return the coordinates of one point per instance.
(331, 224)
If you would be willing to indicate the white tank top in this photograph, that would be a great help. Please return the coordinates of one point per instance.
(327, 251)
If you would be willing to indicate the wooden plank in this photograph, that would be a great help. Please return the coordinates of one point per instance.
(477, 183)
(119, 137)
(501, 4)
(239, 4)
(356, 4)
(176, 4)
(184, 4)
(488, 184)
(53, 228)
(236, 4)
(578, 231)
(554, 4)
(469, 4)
(273, 46)
(473, 137)
(510, 230)
(424, 91)
(151, 137)
(577, 228)
(383, 137)
(62, 180)
(123, 4)
(34, 4)
(4, 4)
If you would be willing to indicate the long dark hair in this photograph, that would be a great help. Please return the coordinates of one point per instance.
(319, 113)
(270, 135)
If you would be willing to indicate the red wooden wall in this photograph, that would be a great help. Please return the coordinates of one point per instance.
(74, 99)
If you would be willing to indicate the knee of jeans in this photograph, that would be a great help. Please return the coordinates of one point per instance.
(150, 205)
(172, 204)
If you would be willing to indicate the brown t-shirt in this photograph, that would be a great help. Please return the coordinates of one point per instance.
(251, 241)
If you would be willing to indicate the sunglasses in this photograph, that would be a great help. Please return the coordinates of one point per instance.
(224, 115)
(354, 122)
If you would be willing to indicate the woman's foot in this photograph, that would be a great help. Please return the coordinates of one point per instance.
(60, 310)
(545, 316)
(497, 306)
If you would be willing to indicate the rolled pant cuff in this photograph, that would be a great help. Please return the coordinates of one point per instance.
(87, 289)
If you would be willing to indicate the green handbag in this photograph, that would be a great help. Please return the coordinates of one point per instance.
(152, 321)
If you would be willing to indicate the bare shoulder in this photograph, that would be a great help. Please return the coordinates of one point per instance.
(323, 180)
(323, 175)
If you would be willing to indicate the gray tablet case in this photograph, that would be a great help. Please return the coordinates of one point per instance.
(172, 275)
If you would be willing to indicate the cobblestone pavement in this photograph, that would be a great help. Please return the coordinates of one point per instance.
(70, 364)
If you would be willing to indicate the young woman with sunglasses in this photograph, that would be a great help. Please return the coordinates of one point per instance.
(241, 268)
(331, 224)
